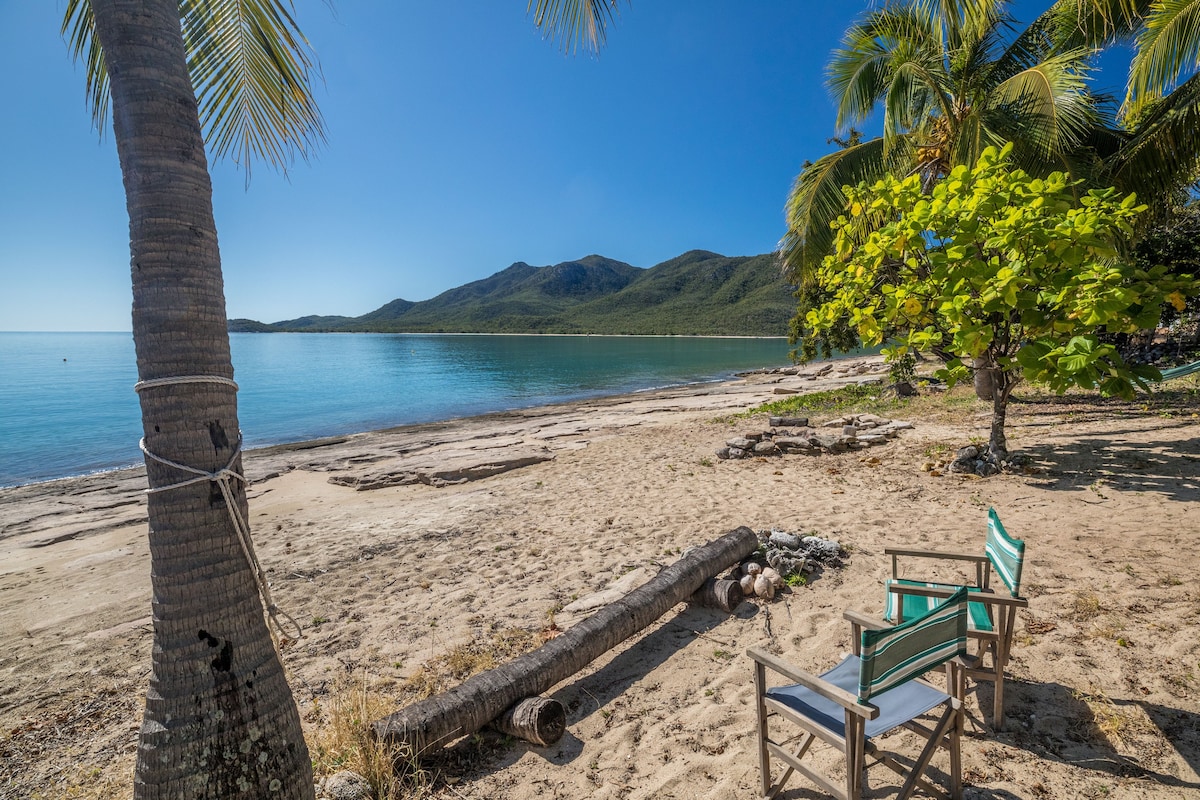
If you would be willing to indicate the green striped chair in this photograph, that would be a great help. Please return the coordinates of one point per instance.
(992, 614)
(871, 692)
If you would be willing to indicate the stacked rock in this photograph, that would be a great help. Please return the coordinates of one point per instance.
(795, 435)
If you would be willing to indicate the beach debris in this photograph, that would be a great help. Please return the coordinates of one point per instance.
(436, 721)
(978, 462)
(796, 435)
(782, 555)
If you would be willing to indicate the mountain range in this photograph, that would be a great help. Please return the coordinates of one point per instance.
(698, 293)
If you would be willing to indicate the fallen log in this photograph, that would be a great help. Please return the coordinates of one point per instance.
(540, 720)
(481, 698)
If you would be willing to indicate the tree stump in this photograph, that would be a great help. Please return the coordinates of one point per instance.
(538, 720)
(722, 594)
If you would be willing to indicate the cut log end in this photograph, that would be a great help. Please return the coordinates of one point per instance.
(538, 720)
(722, 594)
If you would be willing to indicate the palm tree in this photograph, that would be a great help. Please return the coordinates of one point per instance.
(1155, 151)
(949, 82)
(220, 720)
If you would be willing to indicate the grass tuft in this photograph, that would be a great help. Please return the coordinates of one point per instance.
(344, 740)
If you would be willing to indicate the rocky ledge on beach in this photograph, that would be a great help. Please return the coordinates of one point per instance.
(796, 435)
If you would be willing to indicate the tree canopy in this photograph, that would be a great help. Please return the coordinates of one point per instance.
(996, 266)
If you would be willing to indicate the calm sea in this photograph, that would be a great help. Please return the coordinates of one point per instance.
(67, 404)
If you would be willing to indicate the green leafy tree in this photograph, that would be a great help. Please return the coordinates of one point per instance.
(220, 720)
(997, 266)
(949, 80)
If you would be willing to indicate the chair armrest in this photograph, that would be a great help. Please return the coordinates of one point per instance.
(860, 620)
(814, 683)
(904, 551)
(986, 597)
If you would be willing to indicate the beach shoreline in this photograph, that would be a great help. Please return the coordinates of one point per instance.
(485, 524)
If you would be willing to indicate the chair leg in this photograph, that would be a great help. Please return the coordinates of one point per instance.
(1000, 659)
(855, 758)
(764, 756)
(945, 724)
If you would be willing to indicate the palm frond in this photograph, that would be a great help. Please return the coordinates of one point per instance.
(251, 69)
(1168, 46)
(1046, 107)
(873, 49)
(576, 24)
(1160, 155)
(816, 199)
(1072, 24)
(78, 28)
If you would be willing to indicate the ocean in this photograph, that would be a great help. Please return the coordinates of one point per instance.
(67, 405)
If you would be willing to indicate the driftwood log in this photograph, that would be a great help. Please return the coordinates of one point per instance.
(482, 698)
(540, 720)
(722, 594)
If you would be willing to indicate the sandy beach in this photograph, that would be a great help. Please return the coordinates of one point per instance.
(393, 548)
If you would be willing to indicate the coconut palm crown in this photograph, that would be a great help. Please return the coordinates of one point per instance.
(949, 79)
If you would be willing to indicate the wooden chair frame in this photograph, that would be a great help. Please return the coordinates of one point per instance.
(945, 731)
(1001, 610)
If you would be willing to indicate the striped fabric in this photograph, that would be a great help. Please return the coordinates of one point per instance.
(893, 656)
(1006, 553)
(916, 605)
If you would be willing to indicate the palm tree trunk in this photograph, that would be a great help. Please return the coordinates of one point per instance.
(220, 721)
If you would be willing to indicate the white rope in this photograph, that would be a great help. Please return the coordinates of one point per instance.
(155, 382)
(224, 478)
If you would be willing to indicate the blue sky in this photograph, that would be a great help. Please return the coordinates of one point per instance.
(459, 142)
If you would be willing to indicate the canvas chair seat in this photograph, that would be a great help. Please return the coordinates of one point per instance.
(896, 707)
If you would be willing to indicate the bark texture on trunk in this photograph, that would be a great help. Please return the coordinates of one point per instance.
(984, 378)
(998, 441)
(481, 698)
(220, 721)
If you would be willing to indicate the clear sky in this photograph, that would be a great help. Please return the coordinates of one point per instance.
(459, 142)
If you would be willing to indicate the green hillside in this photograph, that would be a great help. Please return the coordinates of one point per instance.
(697, 293)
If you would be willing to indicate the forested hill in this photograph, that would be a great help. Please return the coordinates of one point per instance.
(698, 293)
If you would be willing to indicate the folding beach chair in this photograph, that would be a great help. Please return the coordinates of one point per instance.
(872, 692)
(991, 615)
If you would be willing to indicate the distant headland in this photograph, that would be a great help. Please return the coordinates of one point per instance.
(696, 294)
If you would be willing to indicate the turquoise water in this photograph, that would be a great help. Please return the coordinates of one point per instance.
(67, 404)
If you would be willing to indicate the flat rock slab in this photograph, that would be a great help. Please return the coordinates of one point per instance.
(445, 469)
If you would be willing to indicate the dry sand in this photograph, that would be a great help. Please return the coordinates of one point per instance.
(1105, 695)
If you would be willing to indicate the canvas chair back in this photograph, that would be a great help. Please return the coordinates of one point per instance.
(1006, 553)
(893, 656)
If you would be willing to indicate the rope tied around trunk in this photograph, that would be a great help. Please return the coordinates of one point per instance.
(223, 478)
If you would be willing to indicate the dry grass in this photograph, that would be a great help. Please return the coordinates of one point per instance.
(460, 663)
(344, 740)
